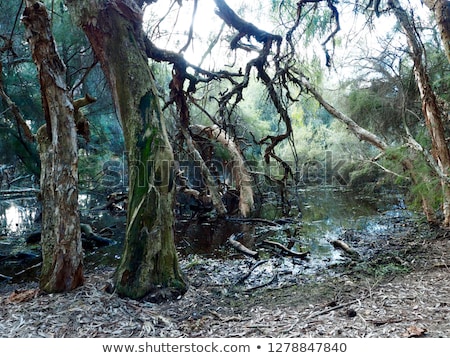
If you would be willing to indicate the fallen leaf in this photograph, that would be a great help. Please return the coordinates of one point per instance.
(23, 295)
(415, 331)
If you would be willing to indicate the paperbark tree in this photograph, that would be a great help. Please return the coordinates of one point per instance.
(62, 268)
(430, 107)
(441, 10)
(149, 266)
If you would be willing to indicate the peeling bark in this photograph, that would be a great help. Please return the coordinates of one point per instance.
(441, 10)
(62, 268)
(430, 108)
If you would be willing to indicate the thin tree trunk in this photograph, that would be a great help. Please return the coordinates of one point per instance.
(430, 107)
(441, 10)
(62, 268)
(369, 137)
(149, 266)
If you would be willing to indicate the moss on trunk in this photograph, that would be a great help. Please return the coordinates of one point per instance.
(149, 266)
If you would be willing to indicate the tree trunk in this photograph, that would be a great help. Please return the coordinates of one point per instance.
(62, 267)
(149, 266)
(240, 173)
(441, 10)
(206, 174)
(430, 107)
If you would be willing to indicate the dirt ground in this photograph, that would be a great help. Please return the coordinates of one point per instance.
(401, 290)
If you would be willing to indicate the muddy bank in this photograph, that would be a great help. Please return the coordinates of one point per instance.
(402, 289)
(326, 214)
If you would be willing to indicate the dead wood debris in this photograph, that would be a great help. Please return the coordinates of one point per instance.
(284, 250)
(233, 241)
(339, 244)
(416, 304)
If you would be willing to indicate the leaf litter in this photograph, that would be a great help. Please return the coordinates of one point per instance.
(241, 298)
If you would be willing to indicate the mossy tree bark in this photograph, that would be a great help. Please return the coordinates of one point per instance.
(149, 266)
(62, 268)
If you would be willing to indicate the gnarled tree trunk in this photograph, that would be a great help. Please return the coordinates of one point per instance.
(62, 268)
(149, 267)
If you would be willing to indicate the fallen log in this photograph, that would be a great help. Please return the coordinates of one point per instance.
(232, 240)
(284, 250)
(91, 239)
(19, 193)
(97, 240)
(6, 278)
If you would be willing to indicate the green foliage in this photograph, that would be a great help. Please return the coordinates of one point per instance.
(365, 175)
(438, 68)
(425, 185)
(376, 108)
(387, 267)
(428, 186)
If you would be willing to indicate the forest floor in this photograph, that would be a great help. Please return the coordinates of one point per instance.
(402, 289)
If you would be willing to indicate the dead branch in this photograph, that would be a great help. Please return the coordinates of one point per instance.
(232, 240)
(284, 250)
(339, 244)
(249, 272)
(191, 28)
(15, 193)
(265, 284)
(334, 308)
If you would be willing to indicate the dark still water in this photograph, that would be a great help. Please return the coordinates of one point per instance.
(326, 213)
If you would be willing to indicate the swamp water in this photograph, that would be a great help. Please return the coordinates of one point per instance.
(327, 214)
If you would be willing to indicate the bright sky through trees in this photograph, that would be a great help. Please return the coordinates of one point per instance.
(169, 27)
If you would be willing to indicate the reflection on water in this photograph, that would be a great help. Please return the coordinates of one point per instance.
(17, 215)
(12, 218)
(326, 213)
